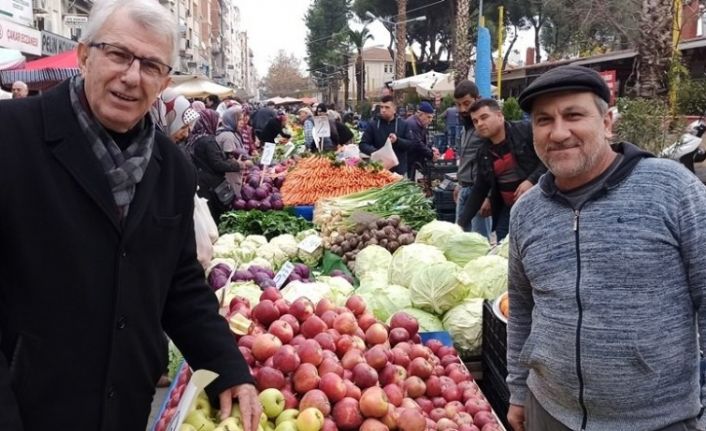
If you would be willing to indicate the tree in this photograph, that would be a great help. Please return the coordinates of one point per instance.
(284, 77)
(401, 33)
(654, 49)
(358, 39)
(462, 50)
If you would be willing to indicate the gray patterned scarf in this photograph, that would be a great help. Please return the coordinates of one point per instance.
(124, 169)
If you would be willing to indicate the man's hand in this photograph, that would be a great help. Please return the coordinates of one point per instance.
(486, 210)
(392, 137)
(516, 417)
(250, 407)
(435, 153)
(522, 188)
(457, 193)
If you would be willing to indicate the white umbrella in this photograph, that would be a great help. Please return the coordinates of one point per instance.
(198, 86)
(440, 85)
(412, 81)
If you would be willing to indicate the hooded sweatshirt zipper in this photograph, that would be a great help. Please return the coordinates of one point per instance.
(580, 320)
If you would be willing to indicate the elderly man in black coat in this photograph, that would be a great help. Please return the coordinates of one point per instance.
(97, 250)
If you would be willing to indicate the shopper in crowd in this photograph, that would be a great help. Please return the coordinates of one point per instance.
(198, 105)
(212, 101)
(227, 102)
(246, 132)
(345, 136)
(261, 117)
(420, 151)
(507, 166)
(211, 162)
(453, 126)
(307, 121)
(19, 90)
(329, 143)
(174, 117)
(105, 204)
(230, 140)
(274, 128)
(465, 95)
(607, 274)
(388, 126)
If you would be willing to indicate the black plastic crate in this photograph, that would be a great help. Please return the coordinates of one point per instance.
(494, 339)
(446, 215)
(439, 168)
(496, 391)
(444, 199)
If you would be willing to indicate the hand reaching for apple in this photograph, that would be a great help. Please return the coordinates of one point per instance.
(250, 406)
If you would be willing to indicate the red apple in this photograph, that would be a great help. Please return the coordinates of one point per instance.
(421, 368)
(343, 345)
(404, 320)
(282, 330)
(365, 320)
(364, 376)
(434, 345)
(393, 374)
(356, 304)
(419, 351)
(411, 420)
(323, 306)
(329, 317)
(265, 312)
(425, 403)
(460, 376)
(373, 402)
(492, 426)
(463, 418)
(452, 393)
(394, 394)
(293, 322)
(310, 352)
(246, 341)
(286, 359)
(264, 346)
(317, 399)
(256, 329)
(313, 326)
(297, 341)
(329, 425)
(476, 404)
(376, 334)
(270, 293)
(352, 358)
(373, 425)
(326, 342)
(352, 391)
(345, 323)
(247, 355)
(437, 413)
(377, 357)
(333, 386)
(433, 387)
(445, 351)
(302, 309)
(305, 378)
(466, 427)
(330, 365)
(482, 418)
(453, 408)
(360, 333)
(390, 419)
(438, 401)
(282, 306)
(446, 424)
(399, 357)
(414, 387)
(290, 400)
(358, 342)
(398, 335)
(408, 403)
(346, 414)
(268, 377)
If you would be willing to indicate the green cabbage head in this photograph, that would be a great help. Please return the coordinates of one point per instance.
(486, 276)
(465, 324)
(464, 247)
(436, 287)
(437, 232)
(408, 259)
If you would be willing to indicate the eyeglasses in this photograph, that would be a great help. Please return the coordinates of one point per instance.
(123, 57)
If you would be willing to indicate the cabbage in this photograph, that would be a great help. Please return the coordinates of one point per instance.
(341, 289)
(232, 264)
(245, 252)
(247, 290)
(384, 300)
(305, 233)
(228, 239)
(427, 321)
(273, 254)
(464, 247)
(310, 259)
(258, 261)
(409, 258)
(437, 232)
(465, 324)
(436, 288)
(486, 276)
(372, 259)
(287, 243)
(502, 249)
(254, 241)
(238, 237)
(314, 291)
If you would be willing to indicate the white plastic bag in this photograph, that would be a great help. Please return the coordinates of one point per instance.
(204, 228)
(385, 155)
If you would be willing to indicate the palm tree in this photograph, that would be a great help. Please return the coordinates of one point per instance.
(401, 33)
(462, 49)
(654, 49)
(358, 39)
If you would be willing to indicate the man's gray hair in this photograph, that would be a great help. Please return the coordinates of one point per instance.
(601, 104)
(147, 13)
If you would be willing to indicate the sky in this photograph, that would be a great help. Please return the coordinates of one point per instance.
(279, 24)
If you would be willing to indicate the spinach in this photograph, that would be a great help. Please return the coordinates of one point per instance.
(267, 223)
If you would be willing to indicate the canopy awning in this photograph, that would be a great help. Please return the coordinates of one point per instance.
(45, 72)
(198, 86)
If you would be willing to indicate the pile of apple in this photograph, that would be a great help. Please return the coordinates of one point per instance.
(348, 371)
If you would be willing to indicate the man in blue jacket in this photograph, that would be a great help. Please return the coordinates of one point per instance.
(388, 126)
(607, 274)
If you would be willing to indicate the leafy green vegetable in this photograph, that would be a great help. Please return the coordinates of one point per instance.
(373, 259)
(464, 247)
(465, 324)
(175, 360)
(437, 233)
(427, 321)
(436, 288)
(267, 223)
(486, 276)
(408, 259)
(384, 300)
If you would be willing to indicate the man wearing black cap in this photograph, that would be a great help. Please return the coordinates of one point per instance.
(607, 274)
(420, 150)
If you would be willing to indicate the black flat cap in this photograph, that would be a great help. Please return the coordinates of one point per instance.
(562, 78)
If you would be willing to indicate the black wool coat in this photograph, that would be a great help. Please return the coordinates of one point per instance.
(84, 298)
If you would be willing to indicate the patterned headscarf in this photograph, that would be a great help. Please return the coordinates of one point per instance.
(198, 106)
(207, 124)
(172, 111)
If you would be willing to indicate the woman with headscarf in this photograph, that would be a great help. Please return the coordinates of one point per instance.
(330, 143)
(230, 139)
(210, 161)
(275, 127)
(198, 106)
(174, 117)
(246, 132)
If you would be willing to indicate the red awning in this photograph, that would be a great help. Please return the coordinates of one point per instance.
(45, 72)
(65, 60)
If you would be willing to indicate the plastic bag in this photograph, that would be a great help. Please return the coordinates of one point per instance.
(201, 206)
(385, 155)
(204, 244)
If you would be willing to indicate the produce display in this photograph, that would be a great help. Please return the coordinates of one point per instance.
(261, 188)
(317, 177)
(267, 223)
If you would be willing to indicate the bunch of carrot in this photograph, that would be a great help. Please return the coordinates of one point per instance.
(315, 178)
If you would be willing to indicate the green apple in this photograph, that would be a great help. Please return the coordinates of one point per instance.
(204, 405)
(187, 427)
(235, 412)
(286, 426)
(287, 415)
(310, 419)
(200, 421)
(269, 426)
(229, 424)
(263, 419)
(272, 401)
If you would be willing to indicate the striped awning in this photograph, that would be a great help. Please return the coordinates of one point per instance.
(43, 73)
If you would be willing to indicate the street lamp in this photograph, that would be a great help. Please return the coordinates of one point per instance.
(394, 32)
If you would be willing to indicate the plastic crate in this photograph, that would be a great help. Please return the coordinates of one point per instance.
(494, 340)
(446, 215)
(439, 168)
(442, 336)
(305, 212)
(496, 391)
(183, 368)
(443, 199)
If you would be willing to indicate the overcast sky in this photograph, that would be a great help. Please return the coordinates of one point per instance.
(279, 24)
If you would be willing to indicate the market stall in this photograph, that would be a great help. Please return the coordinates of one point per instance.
(43, 73)
(369, 316)
(198, 86)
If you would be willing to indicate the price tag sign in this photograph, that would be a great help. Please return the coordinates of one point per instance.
(310, 243)
(322, 127)
(268, 154)
(199, 380)
(283, 274)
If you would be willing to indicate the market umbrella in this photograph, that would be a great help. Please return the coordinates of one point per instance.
(412, 81)
(198, 86)
(11, 58)
(45, 72)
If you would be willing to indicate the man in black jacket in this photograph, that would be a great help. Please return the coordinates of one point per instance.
(507, 165)
(96, 198)
(388, 126)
